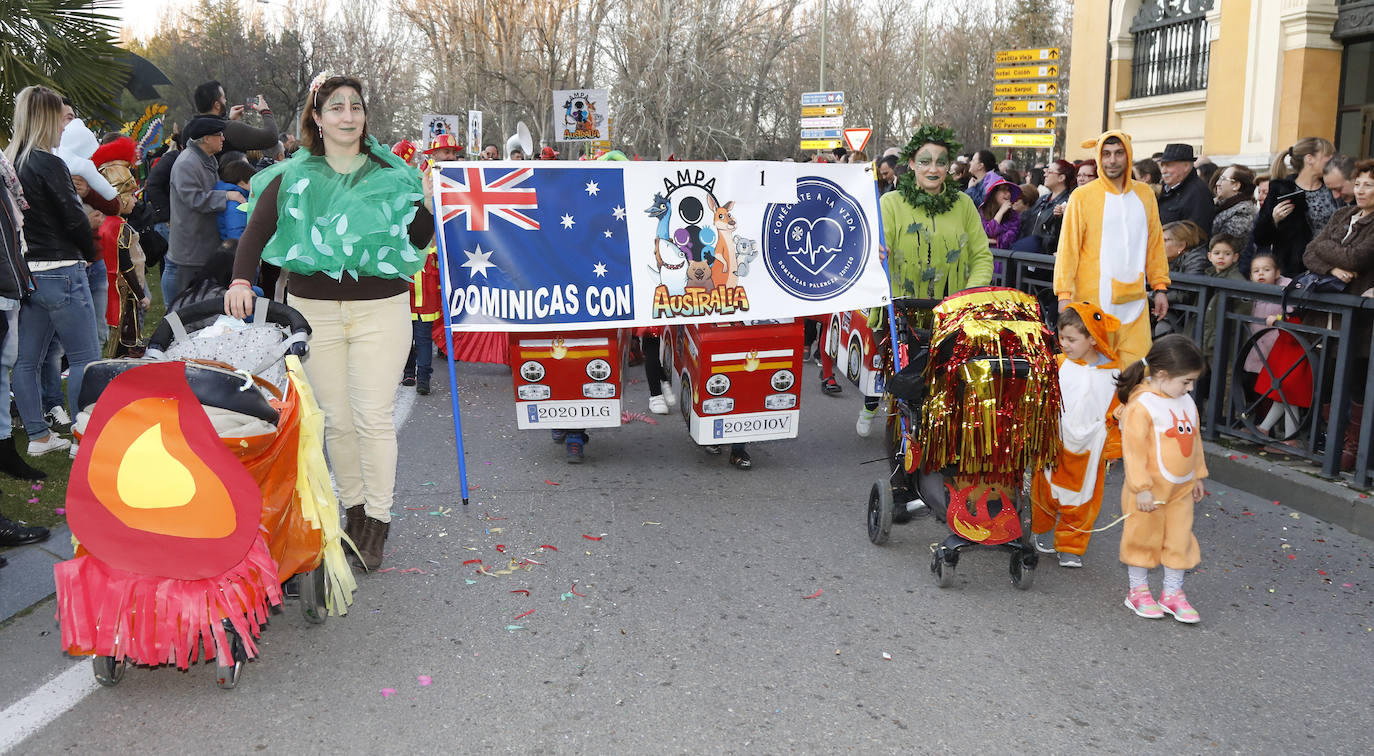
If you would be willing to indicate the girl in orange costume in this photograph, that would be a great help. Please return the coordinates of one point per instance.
(1164, 470)
(1068, 497)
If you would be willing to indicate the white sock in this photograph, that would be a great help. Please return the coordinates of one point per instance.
(1275, 412)
(1173, 580)
(1138, 576)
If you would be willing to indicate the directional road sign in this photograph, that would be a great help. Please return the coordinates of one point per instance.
(820, 134)
(820, 144)
(1014, 122)
(810, 111)
(823, 122)
(857, 138)
(1023, 140)
(1024, 106)
(1025, 89)
(822, 98)
(1026, 72)
(1036, 55)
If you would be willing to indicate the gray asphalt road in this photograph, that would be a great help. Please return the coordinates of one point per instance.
(692, 634)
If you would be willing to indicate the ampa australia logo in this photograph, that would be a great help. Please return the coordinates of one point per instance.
(816, 248)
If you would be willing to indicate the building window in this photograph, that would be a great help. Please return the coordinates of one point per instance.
(1171, 47)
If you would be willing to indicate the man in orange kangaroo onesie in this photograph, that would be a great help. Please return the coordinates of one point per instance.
(1067, 498)
(1111, 246)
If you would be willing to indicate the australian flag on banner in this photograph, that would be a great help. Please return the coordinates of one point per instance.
(534, 246)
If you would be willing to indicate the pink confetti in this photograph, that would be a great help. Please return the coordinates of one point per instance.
(550, 482)
(425, 680)
(814, 595)
(34, 500)
(60, 510)
(388, 692)
(1347, 585)
(626, 416)
(36, 487)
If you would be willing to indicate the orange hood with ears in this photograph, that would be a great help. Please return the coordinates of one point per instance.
(1099, 324)
(1096, 145)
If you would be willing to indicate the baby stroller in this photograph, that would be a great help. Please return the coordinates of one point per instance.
(975, 408)
(198, 489)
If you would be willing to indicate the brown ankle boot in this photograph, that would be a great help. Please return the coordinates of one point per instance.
(372, 542)
(353, 523)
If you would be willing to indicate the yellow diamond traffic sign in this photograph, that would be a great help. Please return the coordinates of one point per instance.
(1023, 122)
(1025, 89)
(1024, 106)
(1023, 140)
(1036, 55)
(1026, 72)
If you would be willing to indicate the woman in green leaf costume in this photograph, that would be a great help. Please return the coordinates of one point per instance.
(933, 236)
(346, 219)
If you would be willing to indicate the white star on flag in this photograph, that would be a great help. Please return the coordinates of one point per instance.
(619, 212)
(599, 269)
(478, 261)
(567, 221)
(607, 232)
(592, 188)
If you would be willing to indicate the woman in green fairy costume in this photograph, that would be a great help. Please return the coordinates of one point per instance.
(346, 219)
(933, 236)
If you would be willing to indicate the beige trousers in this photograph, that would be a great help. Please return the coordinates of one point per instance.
(357, 352)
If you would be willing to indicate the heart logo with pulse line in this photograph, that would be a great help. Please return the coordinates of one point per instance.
(814, 244)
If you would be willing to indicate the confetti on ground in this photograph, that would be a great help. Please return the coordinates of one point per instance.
(651, 522)
(817, 594)
(626, 416)
(474, 486)
(413, 570)
(574, 592)
(1321, 572)
(592, 537)
(526, 614)
(1347, 585)
(416, 509)
(469, 581)
(521, 590)
(547, 546)
(1295, 516)
(546, 480)
(429, 483)
(388, 692)
(34, 500)
(513, 628)
(501, 547)
(1248, 514)
(1292, 556)
(565, 597)
(36, 487)
(887, 656)
(424, 680)
(472, 561)
(386, 569)
(60, 510)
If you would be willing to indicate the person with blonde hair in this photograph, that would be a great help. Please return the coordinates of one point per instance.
(60, 246)
(1298, 204)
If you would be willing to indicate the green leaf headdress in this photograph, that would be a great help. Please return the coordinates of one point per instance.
(935, 204)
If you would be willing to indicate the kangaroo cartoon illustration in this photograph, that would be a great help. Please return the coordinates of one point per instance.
(723, 267)
(672, 263)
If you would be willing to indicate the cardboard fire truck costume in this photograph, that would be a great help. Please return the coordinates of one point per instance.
(853, 344)
(568, 379)
(738, 382)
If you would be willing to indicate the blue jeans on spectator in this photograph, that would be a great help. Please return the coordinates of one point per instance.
(50, 379)
(99, 281)
(421, 362)
(9, 352)
(169, 281)
(61, 304)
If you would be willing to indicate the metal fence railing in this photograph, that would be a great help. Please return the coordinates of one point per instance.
(1327, 345)
(1170, 55)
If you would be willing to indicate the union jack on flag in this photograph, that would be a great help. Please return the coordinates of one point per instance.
(468, 192)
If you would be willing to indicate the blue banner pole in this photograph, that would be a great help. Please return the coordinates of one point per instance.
(887, 263)
(445, 288)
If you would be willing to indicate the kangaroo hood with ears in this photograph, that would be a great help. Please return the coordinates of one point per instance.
(75, 149)
(1096, 146)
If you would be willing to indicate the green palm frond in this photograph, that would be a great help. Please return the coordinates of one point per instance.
(68, 45)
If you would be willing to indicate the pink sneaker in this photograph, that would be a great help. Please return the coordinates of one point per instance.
(1177, 604)
(1142, 602)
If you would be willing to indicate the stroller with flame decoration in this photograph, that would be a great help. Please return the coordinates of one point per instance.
(975, 409)
(200, 487)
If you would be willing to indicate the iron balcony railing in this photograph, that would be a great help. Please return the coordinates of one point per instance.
(1170, 57)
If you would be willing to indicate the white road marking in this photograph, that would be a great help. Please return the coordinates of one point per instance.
(33, 712)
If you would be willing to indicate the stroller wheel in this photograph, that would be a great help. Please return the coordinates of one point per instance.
(228, 677)
(942, 569)
(879, 512)
(1022, 571)
(108, 670)
(314, 593)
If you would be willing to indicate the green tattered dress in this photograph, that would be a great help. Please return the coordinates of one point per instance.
(933, 256)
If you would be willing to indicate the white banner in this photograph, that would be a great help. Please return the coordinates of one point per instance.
(579, 115)
(434, 124)
(474, 140)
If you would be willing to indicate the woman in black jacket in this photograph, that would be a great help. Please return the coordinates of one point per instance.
(60, 245)
(1298, 205)
(1041, 224)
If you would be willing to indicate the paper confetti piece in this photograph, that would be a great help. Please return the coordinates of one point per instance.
(472, 561)
(546, 480)
(36, 487)
(513, 628)
(547, 546)
(34, 500)
(497, 530)
(413, 570)
(565, 597)
(424, 680)
(487, 516)
(1347, 585)
(1321, 572)
(1295, 516)
(416, 509)
(60, 510)
(887, 656)
(651, 522)
(626, 416)
(521, 590)
(526, 614)
(591, 537)
(386, 569)
(575, 593)
(814, 595)
(469, 581)
(1292, 556)
(501, 547)
(388, 692)
(429, 483)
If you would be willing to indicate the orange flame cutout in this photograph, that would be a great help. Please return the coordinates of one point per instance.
(144, 472)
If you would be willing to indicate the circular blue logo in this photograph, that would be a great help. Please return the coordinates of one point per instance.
(816, 248)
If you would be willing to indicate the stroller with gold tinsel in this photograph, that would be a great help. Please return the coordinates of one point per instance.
(199, 489)
(975, 409)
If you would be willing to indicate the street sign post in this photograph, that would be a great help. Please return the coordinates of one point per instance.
(1023, 140)
(811, 111)
(820, 133)
(823, 122)
(822, 98)
(857, 139)
(1024, 106)
(1035, 55)
(1025, 89)
(819, 144)
(1002, 123)
(1026, 72)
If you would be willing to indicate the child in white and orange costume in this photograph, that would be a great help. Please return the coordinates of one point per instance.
(1067, 498)
(1162, 452)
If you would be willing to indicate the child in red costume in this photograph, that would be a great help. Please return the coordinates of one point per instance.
(1162, 452)
(424, 312)
(1067, 498)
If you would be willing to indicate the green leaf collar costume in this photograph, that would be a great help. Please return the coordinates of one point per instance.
(339, 224)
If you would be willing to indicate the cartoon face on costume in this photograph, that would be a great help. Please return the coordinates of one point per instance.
(1175, 430)
(1183, 432)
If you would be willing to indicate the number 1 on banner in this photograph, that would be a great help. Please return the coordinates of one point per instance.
(761, 182)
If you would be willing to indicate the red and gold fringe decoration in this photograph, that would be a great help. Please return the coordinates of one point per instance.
(990, 426)
(155, 620)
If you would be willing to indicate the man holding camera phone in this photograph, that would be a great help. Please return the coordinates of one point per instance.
(238, 136)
